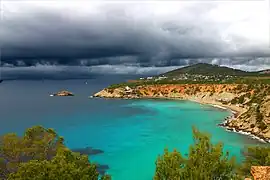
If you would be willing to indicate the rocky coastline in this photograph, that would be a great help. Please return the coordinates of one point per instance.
(236, 122)
(226, 124)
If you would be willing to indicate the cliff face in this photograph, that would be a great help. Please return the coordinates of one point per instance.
(256, 120)
(215, 92)
(252, 103)
(260, 173)
(164, 90)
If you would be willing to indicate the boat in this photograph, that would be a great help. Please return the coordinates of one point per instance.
(1, 80)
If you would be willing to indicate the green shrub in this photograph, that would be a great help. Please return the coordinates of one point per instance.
(241, 99)
(204, 161)
(40, 154)
(65, 165)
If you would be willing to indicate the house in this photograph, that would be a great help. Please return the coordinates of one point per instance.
(161, 78)
(128, 89)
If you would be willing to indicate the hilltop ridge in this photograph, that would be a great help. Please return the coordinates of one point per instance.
(266, 71)
(209, 69)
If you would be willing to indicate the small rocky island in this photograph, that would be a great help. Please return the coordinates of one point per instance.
(63, 93)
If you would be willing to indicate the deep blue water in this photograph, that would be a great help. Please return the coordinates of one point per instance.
(130, 132)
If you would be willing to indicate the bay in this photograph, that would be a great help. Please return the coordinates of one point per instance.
(132, 133)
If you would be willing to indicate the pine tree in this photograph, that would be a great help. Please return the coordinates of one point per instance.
(40, 154)
(204, 161)
(66, 165)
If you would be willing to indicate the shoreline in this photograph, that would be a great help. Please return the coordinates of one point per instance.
(235, 113)
(234, 110)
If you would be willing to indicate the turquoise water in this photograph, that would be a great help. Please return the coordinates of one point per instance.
(133, 142)
(132, 133)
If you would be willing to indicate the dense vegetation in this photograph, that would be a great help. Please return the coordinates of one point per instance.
(199, 71)
(209, 69)
(238, 80)
(40, 154)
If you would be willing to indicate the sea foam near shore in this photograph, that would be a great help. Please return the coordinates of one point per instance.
(232, 129)
(247, 133)
(218, 106)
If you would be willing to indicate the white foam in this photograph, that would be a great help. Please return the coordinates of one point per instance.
(218, 106)
(248, 134)
(230, 118)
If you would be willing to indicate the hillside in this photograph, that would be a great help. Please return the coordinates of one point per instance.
(209, 69)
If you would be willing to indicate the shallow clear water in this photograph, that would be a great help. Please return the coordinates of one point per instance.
(132, 133)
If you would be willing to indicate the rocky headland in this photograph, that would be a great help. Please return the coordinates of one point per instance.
(250, 105)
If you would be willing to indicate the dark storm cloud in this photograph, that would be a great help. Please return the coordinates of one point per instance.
(122, 33)
(51, 37)
(77, 72)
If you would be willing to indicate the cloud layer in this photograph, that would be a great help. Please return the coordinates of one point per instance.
(79, 72)
(147, 34)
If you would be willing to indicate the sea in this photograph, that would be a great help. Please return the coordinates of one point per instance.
(129, 133)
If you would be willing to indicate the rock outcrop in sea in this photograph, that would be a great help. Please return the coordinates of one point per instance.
(63, 93)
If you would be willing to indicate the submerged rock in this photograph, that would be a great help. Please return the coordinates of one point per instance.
(88, 151)
(102, 168)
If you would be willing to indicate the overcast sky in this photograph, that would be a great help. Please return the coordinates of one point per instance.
(134, 36)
